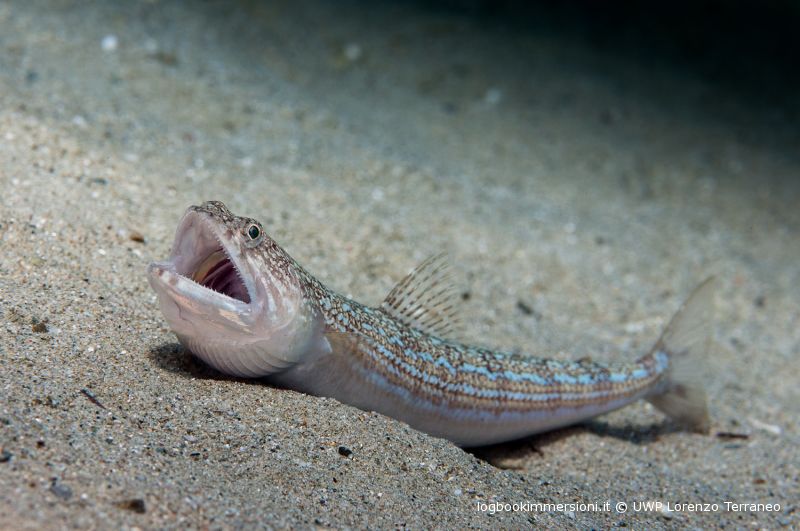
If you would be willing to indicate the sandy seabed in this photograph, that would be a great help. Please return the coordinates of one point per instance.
(580, 197)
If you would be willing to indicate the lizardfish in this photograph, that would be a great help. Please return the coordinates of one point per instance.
(240, 303)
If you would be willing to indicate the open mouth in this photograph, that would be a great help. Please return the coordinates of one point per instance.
(199, 254)
(219, 273)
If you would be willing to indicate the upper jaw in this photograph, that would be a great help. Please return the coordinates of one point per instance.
(197, 238)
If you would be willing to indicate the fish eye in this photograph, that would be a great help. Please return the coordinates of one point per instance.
(254, 231)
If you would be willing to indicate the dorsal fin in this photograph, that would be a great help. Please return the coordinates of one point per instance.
(426, 299)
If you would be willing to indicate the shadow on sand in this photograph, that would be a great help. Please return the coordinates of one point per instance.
(172, 357)
(514, 454)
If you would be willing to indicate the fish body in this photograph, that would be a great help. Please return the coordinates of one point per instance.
(239, 302)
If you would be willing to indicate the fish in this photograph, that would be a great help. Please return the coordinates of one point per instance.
(240, 303)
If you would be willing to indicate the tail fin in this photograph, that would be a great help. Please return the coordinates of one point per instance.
(685, 342)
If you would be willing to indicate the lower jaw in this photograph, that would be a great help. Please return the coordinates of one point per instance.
(190, 298)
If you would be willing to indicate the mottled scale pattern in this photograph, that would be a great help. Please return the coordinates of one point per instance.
(468, 377)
